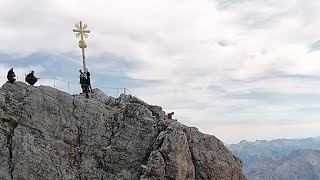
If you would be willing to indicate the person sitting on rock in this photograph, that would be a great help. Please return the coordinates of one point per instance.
(170, 115)
(31, 79)
(11, 76)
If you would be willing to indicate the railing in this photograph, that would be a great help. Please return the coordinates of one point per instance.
(74, 87)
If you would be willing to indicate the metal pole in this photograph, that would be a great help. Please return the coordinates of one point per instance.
(54, 82)
(82, 32)
(84, 62)
(124, 90)
(68, 87)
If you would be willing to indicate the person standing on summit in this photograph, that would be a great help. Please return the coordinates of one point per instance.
(84, 83)
(89, 81)
(11, 76)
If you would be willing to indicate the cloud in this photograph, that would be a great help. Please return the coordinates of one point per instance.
(210, 60)
(315, 46)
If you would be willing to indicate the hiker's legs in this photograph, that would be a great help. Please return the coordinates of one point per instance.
(87, 91)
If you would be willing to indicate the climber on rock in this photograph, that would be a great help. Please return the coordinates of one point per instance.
(31, 79)
(170, 115)
(11, 76)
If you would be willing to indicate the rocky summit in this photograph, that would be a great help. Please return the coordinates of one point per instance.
(49, 134)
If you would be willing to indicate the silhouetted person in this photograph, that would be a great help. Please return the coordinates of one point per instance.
(84, 83)
(170, 115)
(11, 76)
(89, 81)
(31, 79)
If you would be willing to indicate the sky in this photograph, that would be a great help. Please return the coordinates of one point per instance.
(236, 69)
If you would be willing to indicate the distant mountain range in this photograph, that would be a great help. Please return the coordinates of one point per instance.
(281, 159)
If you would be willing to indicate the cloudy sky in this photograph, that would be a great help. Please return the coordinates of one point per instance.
(237, 69)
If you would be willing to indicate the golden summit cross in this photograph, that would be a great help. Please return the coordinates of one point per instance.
(82, 33)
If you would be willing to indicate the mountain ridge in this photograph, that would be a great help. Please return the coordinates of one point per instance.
(280, 158)
(49, 134)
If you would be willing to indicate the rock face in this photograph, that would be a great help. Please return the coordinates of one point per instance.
(49, 134)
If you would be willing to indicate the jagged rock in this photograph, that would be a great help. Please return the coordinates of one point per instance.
(49, 134)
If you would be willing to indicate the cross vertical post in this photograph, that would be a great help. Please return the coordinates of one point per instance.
(82, 33)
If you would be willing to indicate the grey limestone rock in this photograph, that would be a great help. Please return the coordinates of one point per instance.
(49, 134)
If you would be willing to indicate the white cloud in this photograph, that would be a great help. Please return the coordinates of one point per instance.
(191, 46)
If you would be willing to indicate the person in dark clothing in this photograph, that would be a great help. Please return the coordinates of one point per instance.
(170, 115)
(11, 76)
(84, 83)
(81, 77)
(89, 81)
(31, 79)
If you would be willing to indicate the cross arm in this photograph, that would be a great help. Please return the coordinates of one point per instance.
(79, 30)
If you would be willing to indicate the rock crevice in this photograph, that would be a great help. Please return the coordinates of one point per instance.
(9, 145)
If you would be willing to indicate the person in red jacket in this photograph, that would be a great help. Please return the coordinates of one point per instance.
(170, 115)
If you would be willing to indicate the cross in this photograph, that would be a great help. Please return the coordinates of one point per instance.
(82, 32)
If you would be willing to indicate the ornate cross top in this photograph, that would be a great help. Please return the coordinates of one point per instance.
(81, 30)
(82, 33)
